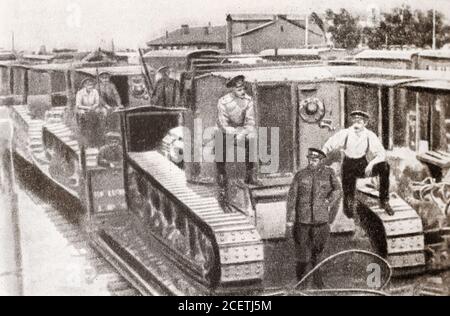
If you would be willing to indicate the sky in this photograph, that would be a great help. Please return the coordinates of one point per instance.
(87, 24)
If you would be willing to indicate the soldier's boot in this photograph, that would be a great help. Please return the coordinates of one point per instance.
(223, 197)
(387, 208)
(350, 207)
(317, 276)
(251, 176)
(301, 270)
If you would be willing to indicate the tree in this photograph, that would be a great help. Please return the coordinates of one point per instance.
(403, 27)
(344, 29)
(424, 29)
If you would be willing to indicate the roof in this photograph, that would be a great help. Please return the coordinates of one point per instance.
(444, 54)
(7, 56)
(377, 80)
(39, 57)
(196, 35)
(6, 63)
(182, 53)
(436, 80)
(405, 55)
(114, 71)
(260, 27)
(290, 52)
(430, 84)
(264, 17)
(298, 24)
(278, 74)
(52, 67)
(298, 19)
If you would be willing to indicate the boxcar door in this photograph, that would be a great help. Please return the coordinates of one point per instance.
(275, 110)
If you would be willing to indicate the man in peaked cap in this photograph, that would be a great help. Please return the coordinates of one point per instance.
(314, 193)
(108, 92)
(109, 100)
(236, 118)
(167, 90)
(111, 155)
(365, 156)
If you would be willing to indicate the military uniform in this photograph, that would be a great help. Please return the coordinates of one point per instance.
(109, 97)
(166, 93)
(236, 116)
(314, 192)
(110, 153)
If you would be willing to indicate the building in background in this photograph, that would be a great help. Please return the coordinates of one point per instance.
(435, 60)
(191, 38)
(253, 33)
(248, 34)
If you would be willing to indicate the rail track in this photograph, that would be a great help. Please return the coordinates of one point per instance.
(66, 216)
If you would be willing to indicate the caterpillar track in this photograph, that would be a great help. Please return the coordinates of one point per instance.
(400, 237)
(224, 249)
(52, 147)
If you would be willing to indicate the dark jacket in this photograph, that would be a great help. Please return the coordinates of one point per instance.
(109, 95)
(110, 154)
(313, 193)
(166, 93)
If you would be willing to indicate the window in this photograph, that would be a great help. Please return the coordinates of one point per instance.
(282, 28)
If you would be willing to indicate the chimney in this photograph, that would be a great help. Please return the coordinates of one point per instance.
(229, 34)
(209, 28)
(185, 28)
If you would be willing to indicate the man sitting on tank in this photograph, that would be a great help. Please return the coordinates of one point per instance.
(89, 114)
(236, 118)
(167, 90)
(110, 155)
(109, 101)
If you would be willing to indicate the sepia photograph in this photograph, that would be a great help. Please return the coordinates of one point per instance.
(220, 149)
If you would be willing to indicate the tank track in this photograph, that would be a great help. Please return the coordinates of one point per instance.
(404, 241)
(28, 134)
(35, 139)
(238, 248)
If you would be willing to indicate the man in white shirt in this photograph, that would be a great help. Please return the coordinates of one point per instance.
(90, 117)
(87, 98)
(365, 156)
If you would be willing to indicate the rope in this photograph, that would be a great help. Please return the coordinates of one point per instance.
(342, 253)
